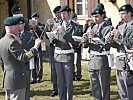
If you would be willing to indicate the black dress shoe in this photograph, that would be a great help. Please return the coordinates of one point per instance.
(38, 80)
(74, 79)
(78, 79)
(53, 94)
(33, 82)
(90, 94)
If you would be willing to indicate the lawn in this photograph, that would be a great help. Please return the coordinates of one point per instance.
(41, 91)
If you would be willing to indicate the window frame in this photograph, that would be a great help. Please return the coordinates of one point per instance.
(83, 3)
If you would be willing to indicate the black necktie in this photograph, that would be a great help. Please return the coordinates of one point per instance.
(124, 32)
(125, 26)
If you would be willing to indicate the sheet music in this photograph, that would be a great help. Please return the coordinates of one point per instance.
(51, 35)
(77, 38)
(97, 40)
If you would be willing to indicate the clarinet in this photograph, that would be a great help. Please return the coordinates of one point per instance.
(117, 26)
(82, 42)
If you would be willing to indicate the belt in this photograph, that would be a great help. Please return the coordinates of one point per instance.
(63, 51)
(99, 53)
(124, 56)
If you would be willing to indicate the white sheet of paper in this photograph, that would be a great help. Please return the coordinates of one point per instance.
(98, 40)
(77, 38)
(51, 34)
(130, 51)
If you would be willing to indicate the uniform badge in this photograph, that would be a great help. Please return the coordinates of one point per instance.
(18, 8)
(97, 11)
(123, 8)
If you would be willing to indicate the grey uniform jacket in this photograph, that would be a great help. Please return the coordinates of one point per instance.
(98, 62)
(64, 42)
(76, 29)
(125, 39)
(14, 58)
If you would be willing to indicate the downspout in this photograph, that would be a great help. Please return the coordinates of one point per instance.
(28, 8)
(67, 2)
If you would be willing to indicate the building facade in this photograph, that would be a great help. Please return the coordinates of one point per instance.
(45, 8)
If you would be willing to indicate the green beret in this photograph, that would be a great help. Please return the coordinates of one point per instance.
(15, 9)
(100, 5)
(97, 10)
(65, 8)
(126, 7)
(57, 9)
(9, 21)
(73, 15)
(35, 14)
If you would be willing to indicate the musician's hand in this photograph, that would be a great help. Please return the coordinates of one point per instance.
(109, 37)
(37, 43)
(61, 29)
(90, 33)
(115, 32)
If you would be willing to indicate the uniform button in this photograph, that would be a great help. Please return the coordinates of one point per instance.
(22, 74)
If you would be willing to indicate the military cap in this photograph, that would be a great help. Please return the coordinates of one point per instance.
(97, 10)
(35, 14)
(65, 8)
(126, 7)
(73, 15)
(15, 9)
(9, 21)
(100, 5)
(57, 9)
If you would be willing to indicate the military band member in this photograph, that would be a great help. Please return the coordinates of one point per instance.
(14, 10)
(64, 55)
(99, 70)
(37, 73)
(77, 53)
(57, 14)
(14, 58)
(123, 41)
(57, 19)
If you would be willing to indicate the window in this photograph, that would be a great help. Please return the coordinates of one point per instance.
(81, 7)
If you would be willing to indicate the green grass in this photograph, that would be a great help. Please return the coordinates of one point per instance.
(41, 91)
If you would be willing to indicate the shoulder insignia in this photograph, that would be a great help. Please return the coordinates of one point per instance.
(97, 11)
